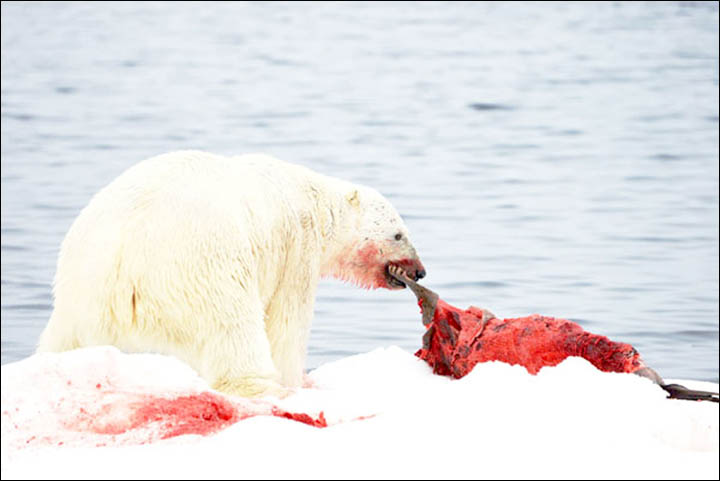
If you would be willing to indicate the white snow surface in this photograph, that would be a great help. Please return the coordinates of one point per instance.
(389, 417)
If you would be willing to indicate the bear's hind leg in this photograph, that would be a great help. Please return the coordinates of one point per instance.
(57, 337)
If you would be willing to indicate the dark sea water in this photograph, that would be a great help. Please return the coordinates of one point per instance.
(554, 158)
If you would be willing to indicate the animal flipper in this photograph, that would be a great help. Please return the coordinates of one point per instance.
(676, 391)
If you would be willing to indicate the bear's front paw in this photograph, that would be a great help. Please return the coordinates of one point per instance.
(252, 387)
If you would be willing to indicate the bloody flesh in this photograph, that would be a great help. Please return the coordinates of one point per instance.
(457, 340)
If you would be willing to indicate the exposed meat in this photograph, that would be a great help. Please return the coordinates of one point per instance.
(456, 340)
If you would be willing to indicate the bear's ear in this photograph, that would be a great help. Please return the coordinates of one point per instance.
(353, 198)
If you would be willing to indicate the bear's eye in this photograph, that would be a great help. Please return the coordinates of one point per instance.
(398, 236)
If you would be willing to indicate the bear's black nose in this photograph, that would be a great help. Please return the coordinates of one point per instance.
(419, 274)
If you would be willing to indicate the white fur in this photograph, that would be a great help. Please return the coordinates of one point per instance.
(216, 260)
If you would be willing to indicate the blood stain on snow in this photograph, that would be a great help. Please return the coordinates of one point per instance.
(162, 418)
(202, 413)
(364, 418)
(320, 422)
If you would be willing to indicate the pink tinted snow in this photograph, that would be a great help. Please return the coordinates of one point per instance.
(119, 418)
(70, 405)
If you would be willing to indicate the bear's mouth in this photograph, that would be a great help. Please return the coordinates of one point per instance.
(394, 275)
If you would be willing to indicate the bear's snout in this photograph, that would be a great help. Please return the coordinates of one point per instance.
(413, 268)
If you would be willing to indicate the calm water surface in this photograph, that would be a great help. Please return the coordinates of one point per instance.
(548, 158)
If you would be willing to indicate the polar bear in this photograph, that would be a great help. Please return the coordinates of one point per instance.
(216, 260)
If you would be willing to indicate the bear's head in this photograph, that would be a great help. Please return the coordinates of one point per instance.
(378, 239)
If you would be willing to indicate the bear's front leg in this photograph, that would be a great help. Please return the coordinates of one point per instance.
(288, 328)
(239, 360)
(251, 387)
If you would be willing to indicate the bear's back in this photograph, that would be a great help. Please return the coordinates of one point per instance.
(171, 227)
(193, 185)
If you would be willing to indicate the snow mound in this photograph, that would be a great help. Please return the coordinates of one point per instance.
(102, 397)
(99, 413)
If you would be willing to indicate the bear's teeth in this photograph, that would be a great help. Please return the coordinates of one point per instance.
(399, 275)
